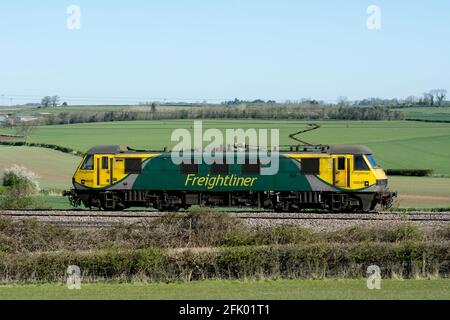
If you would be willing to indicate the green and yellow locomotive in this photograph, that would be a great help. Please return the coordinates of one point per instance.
(341, 178)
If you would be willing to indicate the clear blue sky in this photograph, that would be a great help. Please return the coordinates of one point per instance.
(217, 49)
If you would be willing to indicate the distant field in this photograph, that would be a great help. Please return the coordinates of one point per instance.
(92, 108)
(54, 168)
(236, 290)
(396, 144)
(421, 192)
(427, 113)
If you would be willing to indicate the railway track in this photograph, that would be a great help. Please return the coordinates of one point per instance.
(102, 219)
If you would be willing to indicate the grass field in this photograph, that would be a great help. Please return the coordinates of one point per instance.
(54, 168)
(421, 192)
(236, 290)
(396, 144)
(427, 113)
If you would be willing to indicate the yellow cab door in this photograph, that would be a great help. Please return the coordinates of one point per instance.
(103, 164)
(341, 165)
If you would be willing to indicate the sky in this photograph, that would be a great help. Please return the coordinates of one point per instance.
(174, 50)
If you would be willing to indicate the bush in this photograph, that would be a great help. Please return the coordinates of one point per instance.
(198, 228)
(20, 185)
(18, 176)
(409, 172)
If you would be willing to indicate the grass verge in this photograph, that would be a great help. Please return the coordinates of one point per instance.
(354, 289)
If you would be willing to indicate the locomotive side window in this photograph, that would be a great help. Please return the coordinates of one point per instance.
(310, 166)
(133, 166)
(187, 168)
(251, 168)
(88, 163)
(360, 164)
(341, 163)
(105, 162)
(217, 168)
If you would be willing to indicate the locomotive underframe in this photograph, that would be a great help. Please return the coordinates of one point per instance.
(280, 201)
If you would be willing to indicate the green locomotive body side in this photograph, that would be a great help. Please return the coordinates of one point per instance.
(160, 173)
(338, 178)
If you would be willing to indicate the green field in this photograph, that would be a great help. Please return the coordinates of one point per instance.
(396, 144)
(427, 113)
(237, 290)
(54, 168)
(421, 192)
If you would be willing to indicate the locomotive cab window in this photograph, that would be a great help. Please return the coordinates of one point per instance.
(372, 161)
(88, 163)
(133, 166)
(359, 163)
(310, 166)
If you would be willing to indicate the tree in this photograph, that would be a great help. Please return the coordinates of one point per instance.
(153, 107)
(428, 98)
(411, 100)
(343, 101)
(54, 101)
(65, 104)
(46, 101)
(439, 95)
(24, 128)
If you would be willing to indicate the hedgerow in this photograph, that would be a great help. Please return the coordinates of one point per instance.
(42, 145)
(406, 259)
(409, 172)
(206, 245)
(198, 230)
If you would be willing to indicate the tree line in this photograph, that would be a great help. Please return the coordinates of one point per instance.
(274, 112)
(435, 97)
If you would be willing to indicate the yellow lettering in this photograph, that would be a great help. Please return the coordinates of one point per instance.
(219, 181)
(188, 178)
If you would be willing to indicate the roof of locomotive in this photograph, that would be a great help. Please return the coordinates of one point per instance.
(349, 149)
(337, 149)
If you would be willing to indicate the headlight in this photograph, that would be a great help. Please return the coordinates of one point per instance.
(383, 182)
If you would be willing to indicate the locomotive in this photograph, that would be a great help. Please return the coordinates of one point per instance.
(340, 178)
